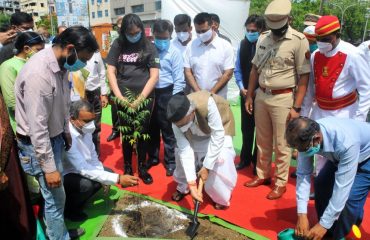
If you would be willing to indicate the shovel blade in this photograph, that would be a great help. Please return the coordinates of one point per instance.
(192, 229)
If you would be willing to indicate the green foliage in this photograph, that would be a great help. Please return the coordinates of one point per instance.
(4, 19)
(46, 21)
(134, 114)
(354, 17)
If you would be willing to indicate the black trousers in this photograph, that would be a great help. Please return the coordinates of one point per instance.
(247, 154)
(115, 121)
(93, 97)
(159, 124)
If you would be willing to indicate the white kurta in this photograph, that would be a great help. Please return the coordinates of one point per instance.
(355, 75)
(217, 151)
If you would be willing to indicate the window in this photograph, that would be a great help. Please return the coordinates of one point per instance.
(158, 5)
(137, 8)
(119, 11)
(100, 14)
(98, 1)
(93, 14)
(106, 13)
(105, 0)
(42, 5)
(92, 2)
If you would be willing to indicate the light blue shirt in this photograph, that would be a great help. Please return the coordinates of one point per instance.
(238, 71)
(172, 70)
(346, 142)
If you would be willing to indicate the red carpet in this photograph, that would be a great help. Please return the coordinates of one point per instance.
(249, 207)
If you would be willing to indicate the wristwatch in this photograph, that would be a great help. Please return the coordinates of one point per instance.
(297, 109)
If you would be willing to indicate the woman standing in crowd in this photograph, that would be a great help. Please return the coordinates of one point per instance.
(26, 44)
(133, 64)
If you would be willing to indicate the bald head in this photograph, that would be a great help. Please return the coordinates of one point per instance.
(300, 131)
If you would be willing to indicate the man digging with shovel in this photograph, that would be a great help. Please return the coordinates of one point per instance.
(203, 125)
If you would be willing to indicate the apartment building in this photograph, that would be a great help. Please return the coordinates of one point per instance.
(9, 6)
(37, 8)
(100, 11)
(147, 10)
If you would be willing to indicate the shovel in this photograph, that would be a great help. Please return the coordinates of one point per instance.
(192, 229)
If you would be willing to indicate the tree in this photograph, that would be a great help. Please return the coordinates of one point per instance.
(4, 19)
(46, 21)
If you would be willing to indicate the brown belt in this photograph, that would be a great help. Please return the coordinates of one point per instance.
(277, 91)
(24, 139)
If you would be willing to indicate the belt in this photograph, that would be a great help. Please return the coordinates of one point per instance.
(24, 139)
(277, 91)
(337, 103)
(165, 89)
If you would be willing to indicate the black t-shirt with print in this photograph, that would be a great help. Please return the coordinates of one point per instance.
(133, 65)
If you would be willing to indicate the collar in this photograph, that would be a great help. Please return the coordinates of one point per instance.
(211, 44)
(74, 131)
(288, 34)
(327, 144)
(20, 59)
(52, 60)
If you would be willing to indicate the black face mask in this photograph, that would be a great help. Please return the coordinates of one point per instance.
(281, 31)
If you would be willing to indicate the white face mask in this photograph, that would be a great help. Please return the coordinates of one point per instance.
(186, 126)
(183, 36)
(88, 128)
(324, 47)
(205, 37)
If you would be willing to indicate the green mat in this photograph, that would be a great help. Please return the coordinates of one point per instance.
(99, 206)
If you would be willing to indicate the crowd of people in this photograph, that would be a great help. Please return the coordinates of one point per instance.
(304, 92)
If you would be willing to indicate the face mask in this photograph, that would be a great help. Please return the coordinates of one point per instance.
(205, 37)
(281, 31)
(88, 128)
(311, 151)
(324, 47)
(162, 45)
(186, 126)
(252, 36)
(135, 38)
(183, 36)
(313, 47)
(76, 66)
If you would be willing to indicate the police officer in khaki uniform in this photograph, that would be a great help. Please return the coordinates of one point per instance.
(281, 66)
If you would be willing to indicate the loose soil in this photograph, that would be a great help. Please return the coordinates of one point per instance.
(137, 217)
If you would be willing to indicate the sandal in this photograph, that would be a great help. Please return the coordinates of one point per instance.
(178, 196)
(220, 207)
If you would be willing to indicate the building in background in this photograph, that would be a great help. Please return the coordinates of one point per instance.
(36, 8)
(147, 10)
(72, 12)
(9, 6)
(100, 12)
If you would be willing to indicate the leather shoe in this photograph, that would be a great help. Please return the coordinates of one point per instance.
(145, 176)
(241, 165)
(312, 196)
(112, 136)
(258, 182)
(76, 233)
(152, 162)
(276, 193)
(169, 172)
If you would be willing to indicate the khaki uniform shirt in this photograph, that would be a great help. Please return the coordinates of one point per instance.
(281, 62)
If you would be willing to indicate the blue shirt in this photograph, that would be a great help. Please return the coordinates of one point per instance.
(238, 71)
(172, 70)
(346, 142)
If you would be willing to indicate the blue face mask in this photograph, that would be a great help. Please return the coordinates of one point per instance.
(252, 36)
(311, 151)
(313, 47)
(135, 38)
(162, 45)
(75, 66)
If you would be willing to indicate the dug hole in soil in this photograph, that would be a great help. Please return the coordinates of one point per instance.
(137, 217)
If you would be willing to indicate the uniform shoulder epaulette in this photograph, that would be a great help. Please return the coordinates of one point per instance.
(298, 34)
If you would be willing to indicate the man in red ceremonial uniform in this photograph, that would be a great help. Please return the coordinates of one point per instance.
(340, 83)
